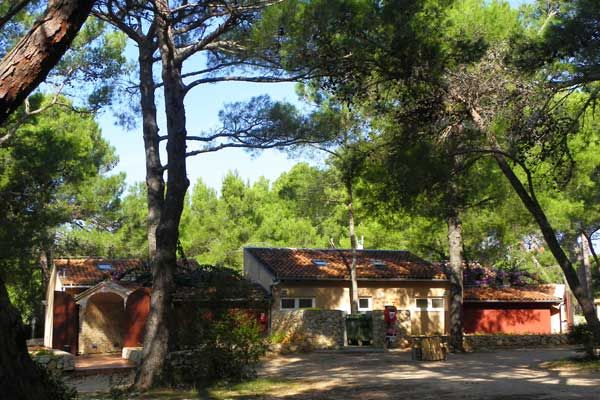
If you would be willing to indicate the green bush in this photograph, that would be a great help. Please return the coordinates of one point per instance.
(228, 351)
(55, 387)
(582, 334)
(239, 343)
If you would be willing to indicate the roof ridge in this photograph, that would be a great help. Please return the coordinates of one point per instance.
(325, 249)
(99, 258)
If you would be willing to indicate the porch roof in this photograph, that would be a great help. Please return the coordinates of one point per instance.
(529, 293)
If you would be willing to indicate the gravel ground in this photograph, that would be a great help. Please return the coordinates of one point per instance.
(501, 375)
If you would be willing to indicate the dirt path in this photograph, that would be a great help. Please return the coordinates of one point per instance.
(503, 375)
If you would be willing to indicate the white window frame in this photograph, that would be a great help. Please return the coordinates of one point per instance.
(296, 303)
(369, 307)
(429, 304)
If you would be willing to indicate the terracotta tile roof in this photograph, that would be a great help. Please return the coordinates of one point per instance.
(530, 293)
(286, 263)
(85, 271)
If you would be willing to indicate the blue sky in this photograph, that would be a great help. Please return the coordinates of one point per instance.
(203, 104)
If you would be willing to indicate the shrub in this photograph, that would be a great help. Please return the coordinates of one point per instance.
(55, 387)
(239, 343)
(278, 337)
(229, 350)
(582, 334)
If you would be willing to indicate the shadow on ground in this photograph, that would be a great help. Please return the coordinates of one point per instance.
(503, 375)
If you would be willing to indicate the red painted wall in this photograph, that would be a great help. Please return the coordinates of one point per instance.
(506, 318)
(65, 330)
(136, 314)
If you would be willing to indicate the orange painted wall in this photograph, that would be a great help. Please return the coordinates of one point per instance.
(508, 318)
(136, 314)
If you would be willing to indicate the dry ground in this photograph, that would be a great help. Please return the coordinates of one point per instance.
(502, 375)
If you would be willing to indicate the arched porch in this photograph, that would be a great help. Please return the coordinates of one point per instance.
(103, 324)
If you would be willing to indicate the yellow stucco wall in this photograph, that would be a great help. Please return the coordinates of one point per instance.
(336, 296)
(256, 272)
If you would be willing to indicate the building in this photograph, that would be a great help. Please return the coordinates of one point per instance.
(97, 305)
(532, 309)
(93, 305)
(320, 278)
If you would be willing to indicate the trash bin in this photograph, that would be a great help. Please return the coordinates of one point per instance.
(359, 329)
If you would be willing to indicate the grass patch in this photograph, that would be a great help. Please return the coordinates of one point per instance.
(159, 394)
(252, 389)
(574, 363)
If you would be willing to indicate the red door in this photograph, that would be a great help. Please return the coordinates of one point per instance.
(65, 330)
(136, 314)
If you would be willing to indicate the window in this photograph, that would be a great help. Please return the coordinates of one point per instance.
(297, 303)
(288, 304)
(105, 267)
(437, 303)
(378, 263)
(364, 304)
(422, 304)
(429, 304)
(318, 262)
(305, 303)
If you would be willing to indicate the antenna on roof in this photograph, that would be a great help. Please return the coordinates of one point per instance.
(331, 243)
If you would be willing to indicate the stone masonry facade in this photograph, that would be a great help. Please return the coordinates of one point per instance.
(102, 328)
(54, 360)
(487, 342)
(305, 330)
(308, 329)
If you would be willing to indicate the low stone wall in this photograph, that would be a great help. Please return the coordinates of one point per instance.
(133, 354)
(487, 342)
(402, 329)
(304, 330)
(54, 360)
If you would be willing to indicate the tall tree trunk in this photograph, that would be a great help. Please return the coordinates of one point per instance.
(455, 246)
(20, 378)
(31, 59)
(155, 184)
(585, 268)
(157, 339)
(353, 244)
(588, 237)
(530, 202)
(535, 209)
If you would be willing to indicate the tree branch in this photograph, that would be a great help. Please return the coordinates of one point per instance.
(28, 113)
(252, 79)
(14, 10)
(185, 52)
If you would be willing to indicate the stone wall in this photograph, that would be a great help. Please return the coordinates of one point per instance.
(133, 354)
(403, 323)
(303, 330)
(487, 342)
(103, 324)
(54, 360)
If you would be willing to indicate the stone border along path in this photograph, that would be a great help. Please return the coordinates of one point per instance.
(500, 375)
